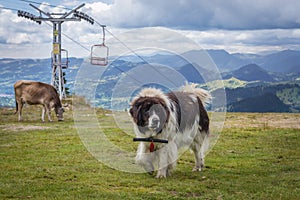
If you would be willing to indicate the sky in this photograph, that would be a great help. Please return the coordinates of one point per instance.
(237, 26)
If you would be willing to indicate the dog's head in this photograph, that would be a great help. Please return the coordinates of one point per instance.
(150, 114)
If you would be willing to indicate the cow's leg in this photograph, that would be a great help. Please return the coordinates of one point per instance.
(48, 110)
(20, 106)
(43, 113)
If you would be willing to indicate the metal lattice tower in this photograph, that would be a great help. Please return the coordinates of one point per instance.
(57, 19)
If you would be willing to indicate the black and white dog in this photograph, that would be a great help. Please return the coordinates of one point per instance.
(179, 117)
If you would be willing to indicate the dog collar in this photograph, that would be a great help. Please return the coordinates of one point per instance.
(150, 139)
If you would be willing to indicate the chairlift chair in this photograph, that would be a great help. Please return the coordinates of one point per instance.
(64, 63)
(99, 52)
(64, 59)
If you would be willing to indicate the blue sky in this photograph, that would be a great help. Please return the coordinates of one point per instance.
(246, 26)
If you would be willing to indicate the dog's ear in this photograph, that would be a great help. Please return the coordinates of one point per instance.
(165, 111)
(134, 111)
(139, 116)
(131, 111)
(133, 108)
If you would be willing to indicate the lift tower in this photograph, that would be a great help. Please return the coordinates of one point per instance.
(57, 19)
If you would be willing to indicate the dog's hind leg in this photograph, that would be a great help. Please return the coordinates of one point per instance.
(198, 146)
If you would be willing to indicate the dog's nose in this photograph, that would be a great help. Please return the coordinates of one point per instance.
(155, 122)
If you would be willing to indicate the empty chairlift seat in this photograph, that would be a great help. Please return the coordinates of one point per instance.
(99, 54)
(64, 59)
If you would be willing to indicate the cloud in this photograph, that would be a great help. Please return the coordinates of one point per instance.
(204, 14)
(17, 30)
(250, 41)
(236, 26)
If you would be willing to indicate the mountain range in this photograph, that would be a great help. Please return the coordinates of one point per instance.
(253, 83)
(286, 61)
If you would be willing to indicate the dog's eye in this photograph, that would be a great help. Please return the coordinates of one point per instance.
(147, 113)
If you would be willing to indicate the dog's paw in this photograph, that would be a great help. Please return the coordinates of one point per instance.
(150, 172)
(197, 169)
(160, 176)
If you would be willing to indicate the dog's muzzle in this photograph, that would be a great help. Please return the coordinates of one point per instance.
(153, 123)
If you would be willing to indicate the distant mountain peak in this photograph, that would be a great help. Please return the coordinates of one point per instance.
(251, 68)
(250, 72)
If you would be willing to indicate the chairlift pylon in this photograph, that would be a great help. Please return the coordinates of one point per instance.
(99, 52)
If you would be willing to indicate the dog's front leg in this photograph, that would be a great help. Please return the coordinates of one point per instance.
(162, 163)
(145, 159)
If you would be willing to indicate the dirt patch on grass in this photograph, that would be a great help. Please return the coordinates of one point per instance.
(262, 120)
(14, 127)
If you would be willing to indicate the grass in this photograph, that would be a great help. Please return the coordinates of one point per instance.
(251, 160)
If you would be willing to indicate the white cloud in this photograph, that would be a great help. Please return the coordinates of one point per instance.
(204, 14)
(248, 41)
(236, 26)
(18, 30)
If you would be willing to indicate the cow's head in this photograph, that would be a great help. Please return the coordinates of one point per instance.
(59, 113)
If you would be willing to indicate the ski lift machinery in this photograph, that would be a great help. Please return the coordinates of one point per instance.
(99, 52)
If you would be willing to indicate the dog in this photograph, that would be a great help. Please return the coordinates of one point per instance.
(179, 117)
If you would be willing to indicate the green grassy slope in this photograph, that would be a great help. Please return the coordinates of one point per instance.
(253, 159)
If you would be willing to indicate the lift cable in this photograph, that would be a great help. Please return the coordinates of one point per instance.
(78, 43)
(7, 8)
(101, 25)
(88, 50)
(95, 21)
(139, 56)
(44, 4)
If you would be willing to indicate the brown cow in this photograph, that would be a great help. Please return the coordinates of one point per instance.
(34, 93)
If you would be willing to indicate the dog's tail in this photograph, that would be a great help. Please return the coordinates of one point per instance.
(203, 95)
